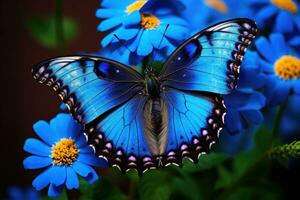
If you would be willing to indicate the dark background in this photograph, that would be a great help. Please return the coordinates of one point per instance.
(23, 101)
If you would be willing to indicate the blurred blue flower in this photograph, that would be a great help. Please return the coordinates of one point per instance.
(213, 11)
(64, 151)
(244, 105)
(141, 24)
(290, 127)
(18, 193)
(285, 14)
(281, 65)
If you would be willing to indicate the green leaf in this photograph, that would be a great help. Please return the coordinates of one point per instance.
(101, 189)
(263, 140)
(249, 193)
(154, 186)
(206, 162)
(225, 178)
(43, 30)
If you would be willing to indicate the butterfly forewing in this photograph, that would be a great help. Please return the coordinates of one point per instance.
(90, 86)
(210, 60)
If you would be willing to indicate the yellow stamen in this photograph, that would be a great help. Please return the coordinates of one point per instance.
(149, 21)
(64, 152)
(218, 5)
(135, 6)
(287, 67)
(288, 5)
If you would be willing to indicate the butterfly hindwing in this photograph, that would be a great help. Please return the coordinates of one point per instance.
(210, 60)
(90, 86)
(195, 121)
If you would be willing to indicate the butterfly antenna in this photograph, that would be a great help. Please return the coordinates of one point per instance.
(161, 40)
(122, 43)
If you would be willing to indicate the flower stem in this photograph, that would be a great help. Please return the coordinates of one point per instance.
(59, 26)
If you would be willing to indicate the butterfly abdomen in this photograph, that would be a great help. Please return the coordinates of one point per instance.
(155, 122)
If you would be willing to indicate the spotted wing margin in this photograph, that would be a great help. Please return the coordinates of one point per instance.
(195, 121)
(119, 136)
(210, 60)
(90, 86)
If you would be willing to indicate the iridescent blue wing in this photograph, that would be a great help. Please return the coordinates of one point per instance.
(107, 98)
(90, 86)
(210, 60)
(195, 120)
(119, 137)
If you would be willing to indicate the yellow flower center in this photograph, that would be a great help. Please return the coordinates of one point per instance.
(287, 67)
(137, 5)
(288, 5)
(64, 152)
(218, 5)
(149, 21)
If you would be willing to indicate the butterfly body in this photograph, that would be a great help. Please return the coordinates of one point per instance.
(151, 120)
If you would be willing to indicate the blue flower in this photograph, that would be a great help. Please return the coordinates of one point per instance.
(141, 24)
(18, 193)
(281, 65)
(244, 106)
(285, 14)
(290, 127)
(64, 152)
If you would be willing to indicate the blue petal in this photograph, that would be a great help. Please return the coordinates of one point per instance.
(121, 5)
(82, 169)
(296, 87)
(284, 22)
(62, 125)
(58, 175)
(128, 34)
(87, 149)
(92, 177)
(177, 32)
(36, 147)
(266, 66)
(254, 116)
(297, 21)
(91, 159)
(54, 191)
(233, 122)
(43, 179)
(132, 20)
(81, 141)
(172, 21)
(134, 45)
(72, 181)
(107, 39)
(265, 49)
(36, 162)
(107, 13)
(44, 131)
(266, 12)
(295, 41)
(278, 44)
(110, 23)
(278, 92)
(145, 47)
(156, 37)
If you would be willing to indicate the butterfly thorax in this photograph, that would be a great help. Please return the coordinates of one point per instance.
(152, 86)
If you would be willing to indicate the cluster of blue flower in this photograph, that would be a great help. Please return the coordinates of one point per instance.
(269, 75)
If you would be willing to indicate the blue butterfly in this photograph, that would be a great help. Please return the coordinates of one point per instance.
(153, 120)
